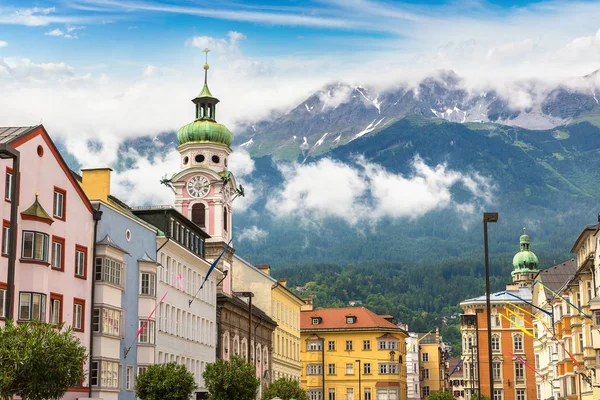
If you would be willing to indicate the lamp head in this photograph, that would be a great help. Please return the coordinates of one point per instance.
(490, 217)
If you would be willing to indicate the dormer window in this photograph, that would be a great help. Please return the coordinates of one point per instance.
(316, 320)
(350, 319)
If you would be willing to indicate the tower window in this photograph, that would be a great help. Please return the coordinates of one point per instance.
(199, 158)
(224, 220)
(199, 214)
(185, 160)
(216, 159)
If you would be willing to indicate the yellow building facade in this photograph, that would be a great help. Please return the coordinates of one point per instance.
(351, 353)
(433, 363)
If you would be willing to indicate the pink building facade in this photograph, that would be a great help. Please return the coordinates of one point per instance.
(55, 227)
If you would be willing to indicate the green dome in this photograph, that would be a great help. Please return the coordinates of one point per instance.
(525, 260)
(202, 130)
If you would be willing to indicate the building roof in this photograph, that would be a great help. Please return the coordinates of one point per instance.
(557, 276)
(238, 302)
(335, 318)
(593, 227)
(141, 210)
(10, 133)
(37, 211)
(502, 297)
(107, 241)
(146, 258)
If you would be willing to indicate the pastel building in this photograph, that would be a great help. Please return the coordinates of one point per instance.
(54, 241)
(124, 293)
(413, 370)
(186, 332)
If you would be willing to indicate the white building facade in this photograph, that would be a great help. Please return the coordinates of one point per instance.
(412, 367)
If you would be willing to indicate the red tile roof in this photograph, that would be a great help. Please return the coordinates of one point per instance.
(335, 318)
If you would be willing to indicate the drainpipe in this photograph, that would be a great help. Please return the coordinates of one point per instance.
(97, 216)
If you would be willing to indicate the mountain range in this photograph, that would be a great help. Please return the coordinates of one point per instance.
(339, 113)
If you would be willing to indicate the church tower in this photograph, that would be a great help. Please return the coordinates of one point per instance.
(525, 263)
(204, 185)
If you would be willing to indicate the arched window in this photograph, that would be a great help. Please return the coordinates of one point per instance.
(236, 346)
(226, 345)
(225, 219)
(244, 348)
(258, 353)
(266, 358)
(518, 342)
(495, 343)
(199, 215)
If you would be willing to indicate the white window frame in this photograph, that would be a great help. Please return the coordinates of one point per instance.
(147, 334)
(101, 321)
(34, 243)
(366, 345)
(5, 240)
(55, 314)
(108, 270)
(41, 302)
(57, 255)
(151, 284)
(2, 303)
(129, 378)
(80, 263)
(8, 186)
(77, 316)
(349, 345)
(349, 369)
(366, 368)
(58, 205)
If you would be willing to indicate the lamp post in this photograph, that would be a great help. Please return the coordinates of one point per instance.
(488, 218)
(359, 386)
(7, 152)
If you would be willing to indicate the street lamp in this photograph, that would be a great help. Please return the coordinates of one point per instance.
(488, 218)
(7, 152)
(359, 387)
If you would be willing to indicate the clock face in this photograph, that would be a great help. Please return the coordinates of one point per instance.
(198, 186)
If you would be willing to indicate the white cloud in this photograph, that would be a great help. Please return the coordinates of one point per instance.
(365, 191)
(55, 32)
(19, 71)
(252, 234)
(140, 185)
(240, 163)
(3, 43)
(67, 36)
(150, 70)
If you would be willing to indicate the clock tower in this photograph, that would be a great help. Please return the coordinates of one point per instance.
(204, 185)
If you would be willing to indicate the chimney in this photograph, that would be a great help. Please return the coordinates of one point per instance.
(95, 183)
(282, 281)
(308, 304)
(266, 268)
(389, 318)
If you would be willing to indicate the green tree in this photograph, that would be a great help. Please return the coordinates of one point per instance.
(440, 396)
(231, 380)
(285, 389)
(170, 381)
(476, 397)
(39, 361)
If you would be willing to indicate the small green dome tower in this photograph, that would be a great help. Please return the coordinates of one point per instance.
(525, 263)
(205, 127)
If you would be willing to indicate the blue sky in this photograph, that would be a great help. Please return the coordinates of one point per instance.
(105, 70)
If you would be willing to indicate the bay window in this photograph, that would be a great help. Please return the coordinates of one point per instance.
(148, 284)
(108, 270)
(35, 246)
(147, 333)
(105, 374)
(32, 306)
(106, 321)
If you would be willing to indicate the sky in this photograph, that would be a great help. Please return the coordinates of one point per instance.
(104, 70)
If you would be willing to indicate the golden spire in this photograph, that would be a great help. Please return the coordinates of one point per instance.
(206, 66)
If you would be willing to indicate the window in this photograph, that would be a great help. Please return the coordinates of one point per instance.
(59, 203)
(348, 344)
(315, 395)
(147, 284)
(537, 361)
(108, 270)
(78, 315)
(32, 306)
(2, 302)
(315, 321)
(225, 220)
(426, 373)
(495, 343)
(55, 308)
(81, 262)
(349, 394)
(147, 333)
(581, 346)
(313, 369)
(331, 369)
(426, 391)
(366, 345)
(519, 371)
(331, 345)
(367, 368)
(331, 393)
(349, 369)
(425, 357)
(387, 369)
(597, 318)
(588, 286)
(518, 342)
(8, 185)
(5, 237)
(520, 394)
(58, 253)
(350, 319)
(497, 394)
(35, 246)
(106, 321)
(367, 395)
(129, 378)
(313, 345)
(105, 374)
(496, 369)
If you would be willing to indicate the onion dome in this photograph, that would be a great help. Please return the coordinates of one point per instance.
(205, 127)
(525, 260)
